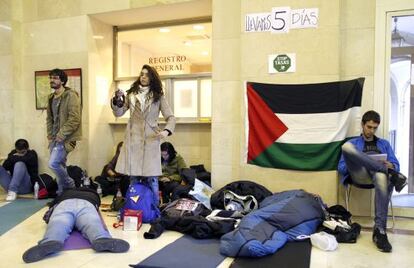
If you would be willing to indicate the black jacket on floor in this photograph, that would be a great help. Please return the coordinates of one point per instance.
(192, 222)
(241, 188)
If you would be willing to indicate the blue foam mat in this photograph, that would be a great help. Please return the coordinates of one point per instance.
(17, 211)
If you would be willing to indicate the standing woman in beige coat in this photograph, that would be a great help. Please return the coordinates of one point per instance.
(140, 155)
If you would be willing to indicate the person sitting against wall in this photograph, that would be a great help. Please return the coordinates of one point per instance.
(75, 207)
(19, 170)
(171, 163)
(110, 180)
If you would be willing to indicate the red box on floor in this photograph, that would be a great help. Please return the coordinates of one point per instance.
(132, 220)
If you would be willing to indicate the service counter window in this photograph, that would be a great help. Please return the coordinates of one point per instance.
(189, 98)
(181, 54)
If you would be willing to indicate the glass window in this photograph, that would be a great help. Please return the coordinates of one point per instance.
(181, 54)
(171, 50)
(188, 98)
(205, 98)
(401, 32)
(185, 98)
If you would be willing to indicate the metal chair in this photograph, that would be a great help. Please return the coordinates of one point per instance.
(348, 183)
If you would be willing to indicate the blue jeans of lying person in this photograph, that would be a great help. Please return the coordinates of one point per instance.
(20, 181)
(57, 163)
(152, 182)
(365, 170)
(72, 213)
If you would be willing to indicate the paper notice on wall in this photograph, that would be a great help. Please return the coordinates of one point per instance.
(280, 19)
(257, 22)
(304, 18)
(282, 63)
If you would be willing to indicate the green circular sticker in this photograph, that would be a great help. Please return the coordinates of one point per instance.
(282, 63)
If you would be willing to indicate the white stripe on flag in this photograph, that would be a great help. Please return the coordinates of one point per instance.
(320, 127)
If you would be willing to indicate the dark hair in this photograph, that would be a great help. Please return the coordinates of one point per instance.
(371, 116)
(168, 147)
(62, 75)
(21, 144)
(155, 84)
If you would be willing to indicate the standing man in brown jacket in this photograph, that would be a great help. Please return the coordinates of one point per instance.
(63, 126)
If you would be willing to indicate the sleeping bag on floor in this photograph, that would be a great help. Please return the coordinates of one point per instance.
(280, 217)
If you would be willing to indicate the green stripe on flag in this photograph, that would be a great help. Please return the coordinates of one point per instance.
(300, 156)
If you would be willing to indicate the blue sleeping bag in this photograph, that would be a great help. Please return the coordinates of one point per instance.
(280, 218)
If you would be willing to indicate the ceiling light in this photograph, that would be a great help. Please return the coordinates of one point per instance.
(204, 53)
(165, 30)
(198, 27)
(98, 37)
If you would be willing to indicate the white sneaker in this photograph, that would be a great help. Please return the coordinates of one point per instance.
(11, 196)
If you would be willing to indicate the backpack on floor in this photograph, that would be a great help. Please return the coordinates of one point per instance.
(76, 173)
(140, 197)
(47, 186)
(79, 175)
(202, 174)
(108, 187)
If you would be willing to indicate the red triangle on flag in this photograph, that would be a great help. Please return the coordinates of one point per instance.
(264, 126)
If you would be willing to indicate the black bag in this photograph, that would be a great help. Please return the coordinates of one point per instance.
(198, 168)
(338, 212)
(184, 207)
(344, 235)
(181, 191)
(241, 188)
(47, 186)
(77, 174)
(202, 174)
(118, 202)
(188, 175)
(110, 187)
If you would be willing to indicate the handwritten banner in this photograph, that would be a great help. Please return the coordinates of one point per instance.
(304, 18)
(258, 22)
(282, 19)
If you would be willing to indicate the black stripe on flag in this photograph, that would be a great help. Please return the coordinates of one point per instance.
(311, 98)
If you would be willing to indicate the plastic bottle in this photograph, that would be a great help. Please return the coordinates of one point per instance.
(86, 182)
(118, 194)
(36, 190)
(99, 189)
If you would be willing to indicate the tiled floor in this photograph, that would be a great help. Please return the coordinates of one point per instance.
(362, 254)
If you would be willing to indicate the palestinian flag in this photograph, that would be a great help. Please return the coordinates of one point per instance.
(301, 127)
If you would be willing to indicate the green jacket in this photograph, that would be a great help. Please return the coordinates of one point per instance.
(70, 118)
(172, 169)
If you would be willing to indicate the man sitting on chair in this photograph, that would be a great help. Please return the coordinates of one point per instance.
(357, 165)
